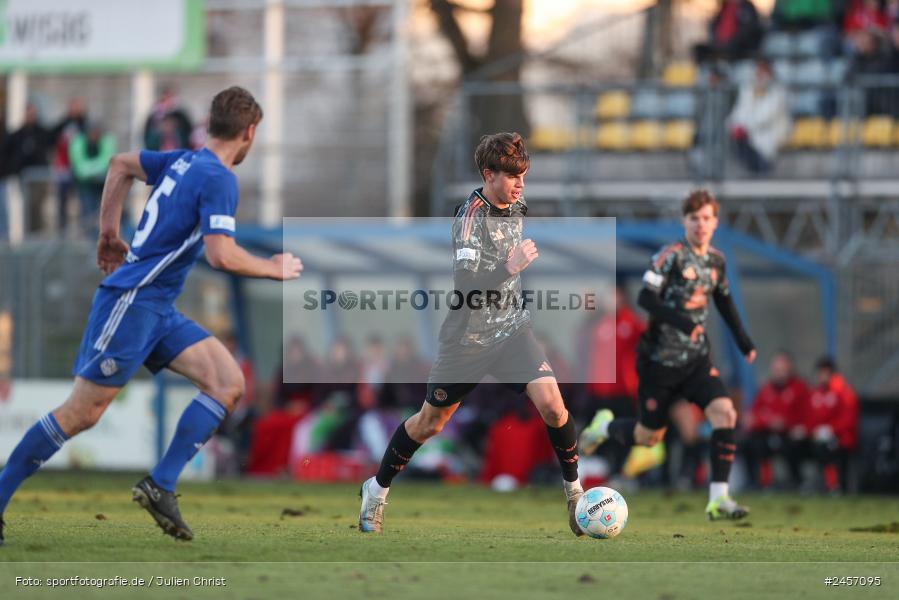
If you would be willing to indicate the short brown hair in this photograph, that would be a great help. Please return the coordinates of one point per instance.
(502, 152)
(696, 199)
(232, 111)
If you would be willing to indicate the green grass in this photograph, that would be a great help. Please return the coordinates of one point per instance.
(443, 539)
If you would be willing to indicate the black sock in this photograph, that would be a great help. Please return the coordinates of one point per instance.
(723, 449)
(622, 431)
(564, 441)
(398, 454)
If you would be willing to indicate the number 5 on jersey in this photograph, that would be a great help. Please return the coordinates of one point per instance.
(165, 189)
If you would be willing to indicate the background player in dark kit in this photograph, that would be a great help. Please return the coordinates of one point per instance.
(673, 356)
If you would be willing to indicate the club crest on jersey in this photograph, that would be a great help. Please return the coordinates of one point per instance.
(689, 273)
(108, 367)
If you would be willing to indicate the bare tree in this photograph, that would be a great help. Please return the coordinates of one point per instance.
(501, 61)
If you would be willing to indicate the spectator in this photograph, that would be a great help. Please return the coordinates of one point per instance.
(71, 125)
(865, 15)
(611, 379)
(706, 158)
(168, 127)
(400, 393)
(4, 173)
(778, 408)
(831, 424)
(734, 33)
(238, 424)
(404, 386)
(28, 149)
(89, 154)
(273, 433)
(760, 122)
(872, 55)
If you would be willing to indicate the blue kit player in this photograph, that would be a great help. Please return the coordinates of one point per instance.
(133, 320)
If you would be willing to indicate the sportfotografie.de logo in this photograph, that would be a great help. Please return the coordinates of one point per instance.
(420, 299)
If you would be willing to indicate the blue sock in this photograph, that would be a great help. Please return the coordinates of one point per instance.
(37, 446)
(200, 420)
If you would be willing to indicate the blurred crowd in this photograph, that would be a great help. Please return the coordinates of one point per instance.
(808, 42)
(794, 435)
(60, 165)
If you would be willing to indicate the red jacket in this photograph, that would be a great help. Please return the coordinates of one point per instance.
(607, 377)
(836, 405)
(779, 408)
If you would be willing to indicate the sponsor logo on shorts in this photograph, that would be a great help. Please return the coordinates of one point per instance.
(544, 366)
(713, 372)
(440, 395)
(651, 404)
(109, 367)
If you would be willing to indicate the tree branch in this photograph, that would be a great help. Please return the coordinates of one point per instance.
(449, 26)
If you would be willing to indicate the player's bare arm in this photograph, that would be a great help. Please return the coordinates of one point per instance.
(123, 170)
(224, 254)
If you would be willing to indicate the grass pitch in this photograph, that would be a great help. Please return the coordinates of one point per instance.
(284, 539)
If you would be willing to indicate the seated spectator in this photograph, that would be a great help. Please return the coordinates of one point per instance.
(778, 408)
(872, 55)
(760, 121)
(831, 424)
(734, 33)
(865, 15)
(402, 392)
(612, 379)
(238, 425)
(273, 433)
(89, 155)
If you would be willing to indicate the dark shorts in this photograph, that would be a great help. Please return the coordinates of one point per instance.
(661, 386)
(514, 362)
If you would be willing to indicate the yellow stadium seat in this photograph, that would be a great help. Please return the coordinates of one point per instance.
(551, 139)
(614, 136)
(809, 132)
(680, 74)
(613, 105)
(843, 132)
(646, 135)
(559, 139)
(877, 131)
(679, 134)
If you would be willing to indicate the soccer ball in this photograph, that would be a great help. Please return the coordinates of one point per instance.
(601, 512)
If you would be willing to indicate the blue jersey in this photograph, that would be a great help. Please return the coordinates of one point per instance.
(194, 194)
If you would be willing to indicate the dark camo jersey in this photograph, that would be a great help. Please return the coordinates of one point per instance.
(685, 282)
(483, 235)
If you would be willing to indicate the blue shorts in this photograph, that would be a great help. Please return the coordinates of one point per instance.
(123, 332)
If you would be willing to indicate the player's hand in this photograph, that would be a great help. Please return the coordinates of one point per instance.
(111, 252)
(750, 358)
(287, 266)
(696, 333)
(520, 256)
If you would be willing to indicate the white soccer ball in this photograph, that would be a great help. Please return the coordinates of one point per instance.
(601, 512)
